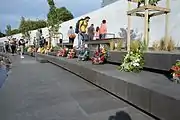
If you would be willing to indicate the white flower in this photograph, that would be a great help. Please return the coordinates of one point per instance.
(138, 60)
(136, 64)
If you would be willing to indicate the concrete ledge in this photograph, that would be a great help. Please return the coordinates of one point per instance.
(30, 54)
(153, 60)
(52, 53)
(161, 61)
(41, 60)
(149, 91)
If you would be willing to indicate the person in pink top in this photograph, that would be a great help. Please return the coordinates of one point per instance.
(103, 30)
(96, 33)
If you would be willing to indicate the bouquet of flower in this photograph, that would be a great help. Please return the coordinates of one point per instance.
(30, 49)
(175, 72)
(100, 56)
(63, 52)
(43, 50)
(133, 61)
(47, 50)
(39, 50)
(83, 54)
(71, 54)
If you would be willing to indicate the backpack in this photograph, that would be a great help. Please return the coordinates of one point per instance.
(77, 26)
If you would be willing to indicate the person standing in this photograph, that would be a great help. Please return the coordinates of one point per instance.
(42, 42)
(81, 30)
(71, 34)
(97, 33)
(38, 37)
(6, 46)
(91, 32)
(13, 46)
(103, 30)
(21, 45)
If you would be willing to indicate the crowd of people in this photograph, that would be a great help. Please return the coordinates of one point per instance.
(15, 46)
(81, 31)
(85, 33)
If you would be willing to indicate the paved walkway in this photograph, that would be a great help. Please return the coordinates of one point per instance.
(42, 91)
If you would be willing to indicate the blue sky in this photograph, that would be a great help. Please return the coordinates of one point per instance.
(12, 10)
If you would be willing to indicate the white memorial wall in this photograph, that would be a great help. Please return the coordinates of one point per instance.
(116, 17)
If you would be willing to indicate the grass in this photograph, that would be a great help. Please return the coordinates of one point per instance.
(135, 44)
(112, 45)
(161, 45)
(119, 45)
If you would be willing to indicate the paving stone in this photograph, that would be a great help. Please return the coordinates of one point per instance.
(99, 105)
(35, 91)
(89, 94)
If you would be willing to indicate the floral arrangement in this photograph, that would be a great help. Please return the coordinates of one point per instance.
(84, 53)
(41, 50)
(44, 50)
(71, 54)
(30, 49)
(47, 50)
(175, 72)
(133, 61)
(63, 52)
(100, 56)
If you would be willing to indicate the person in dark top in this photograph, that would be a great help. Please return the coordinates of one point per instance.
(22, 45)
(42, 42)
(91, 31)
(6, 46)
(13, 46)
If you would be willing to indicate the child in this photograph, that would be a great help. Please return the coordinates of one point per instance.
(96, 36)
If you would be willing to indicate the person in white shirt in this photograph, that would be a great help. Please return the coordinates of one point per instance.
(21, 45)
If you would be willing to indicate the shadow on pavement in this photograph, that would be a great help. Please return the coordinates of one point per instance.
(121, 115)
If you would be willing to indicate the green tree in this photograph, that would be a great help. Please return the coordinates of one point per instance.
(2, 34)
(23, 27)
(27, 25)
(8, 30)
(40, 24)
(57, 15)
(15, 31)
(63, 14)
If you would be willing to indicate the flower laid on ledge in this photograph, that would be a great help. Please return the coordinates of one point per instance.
(100, 56)
(71, 54)
(134, 60)
(63, 52)
(84, 53)
(175, 72)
